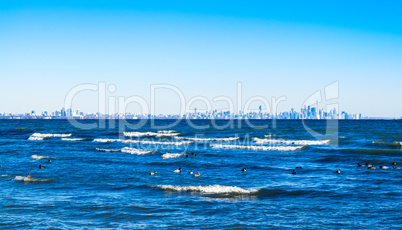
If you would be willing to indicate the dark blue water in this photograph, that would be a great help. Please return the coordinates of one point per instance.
(96, 184)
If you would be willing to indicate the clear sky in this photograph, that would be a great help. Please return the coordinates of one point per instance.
(274, 48)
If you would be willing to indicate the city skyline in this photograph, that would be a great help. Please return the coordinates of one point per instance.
(308, 112)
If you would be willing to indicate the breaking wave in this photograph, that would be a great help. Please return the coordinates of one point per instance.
(158, 142)
(161, 133)
(108, 150)
(103, 140)
(291, 142)
(136, 151)
(43, 136)
(38, 157)
(29, 179)
(172, 155)
(74, 139)
(145, 142)
(208, 139)
(259, 148)
(208, 189)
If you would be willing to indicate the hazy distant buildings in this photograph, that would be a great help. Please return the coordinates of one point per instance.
(307, 112)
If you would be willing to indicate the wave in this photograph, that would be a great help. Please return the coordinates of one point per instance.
(372, 151)
(143, 142)
(28, 179)
(158, 142)
(207, 189)
(291, 142)
(172, 155)
(43, 136)
(108, 150)
(105, 140)
(208, 139)
(136, 151)
(74, 139)
(5, 175)
(160, 133)
(393, 144)
(260, 148)
(38, 157)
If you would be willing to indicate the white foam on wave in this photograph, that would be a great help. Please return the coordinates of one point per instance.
(208, 189)
(108, 150)
(258, 148)
(145, 142)
(172, 155)
(160, 133)
(158, 142)
(42, 136)
(38, 157)
(208, 139)
(105, 140)
(73, 139)
(28, 179)
(5, 175)
(291, 142)
(136, 151)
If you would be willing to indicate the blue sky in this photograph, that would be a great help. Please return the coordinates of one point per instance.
(274, 48)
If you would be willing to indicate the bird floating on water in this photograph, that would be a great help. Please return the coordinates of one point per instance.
(177, 170)
(197, 175)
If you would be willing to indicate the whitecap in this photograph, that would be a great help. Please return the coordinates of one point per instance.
(136, 151)
(158, 142)
(73, 139)
(291, 142)
(172, 155)
(38, 157)
(108, 150)
(161, 133)
(28, 179)
(208, 139)
(208, 189)
(42, 136)
(258, 148)
(145, 142)
(102, 140)
(5, 175)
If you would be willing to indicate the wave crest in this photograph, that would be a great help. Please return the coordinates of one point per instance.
(108, 150)
(136, 151)
(160, 133)
(172, 155)
(28, 179)
(258, 148)
(208, 139)
(291, 142)
(145, 142)
(38, 157)
(208, 189)
(74, 139)
(43, 136)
